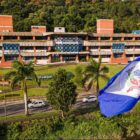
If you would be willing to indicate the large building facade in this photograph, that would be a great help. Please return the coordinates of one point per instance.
(44, 47)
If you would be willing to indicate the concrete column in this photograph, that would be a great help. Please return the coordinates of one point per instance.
(49, 48)
(49, 37)
(99, 48)
(133, 56)
(133, 48)
(18, 37)
(111, 49)
(20, 58)
(61, 58)
(2, 37)
(87, 48)
(111, 38)
(87, 57)
(122, 39)
(49, 58)
(133, 38)
(3, 58)
(34, 38)
(77, 58)
(35, 55)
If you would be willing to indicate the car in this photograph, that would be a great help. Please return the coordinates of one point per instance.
(36, 104)
(91, 98)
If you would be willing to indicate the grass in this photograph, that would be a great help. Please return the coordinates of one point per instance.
(31, 92)
(31, 116)
(51, 69)
(113, 69)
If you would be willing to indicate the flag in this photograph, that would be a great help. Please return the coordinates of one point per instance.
(122, 91)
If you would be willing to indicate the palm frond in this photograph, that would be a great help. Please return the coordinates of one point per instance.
(104, 69)
(90, 69)
(90, 84)
(104, 77)
(93, 63)
(10, 74)
(87, 77)
(35, 78)
(17, 79)
(17, 64)
(30, 64)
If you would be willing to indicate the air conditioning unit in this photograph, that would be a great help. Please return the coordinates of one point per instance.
(59, 29)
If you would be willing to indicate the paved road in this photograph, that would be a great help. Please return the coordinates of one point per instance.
(18, 107)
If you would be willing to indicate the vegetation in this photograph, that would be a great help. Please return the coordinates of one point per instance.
(79, 80)
(19, 76)
(75, 15)
(93, 72)
(44, 70)
(91, 125)
(61, 92)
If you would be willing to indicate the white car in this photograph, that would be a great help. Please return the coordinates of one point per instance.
(91, 98)
(37, 103)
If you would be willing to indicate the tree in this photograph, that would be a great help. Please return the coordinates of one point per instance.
(61, 92)
(79, 76)
(19, 75)
(93, 72)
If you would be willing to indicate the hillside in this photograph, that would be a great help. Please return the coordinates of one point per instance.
(75, 15)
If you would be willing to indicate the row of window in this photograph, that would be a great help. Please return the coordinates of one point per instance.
(71, 38)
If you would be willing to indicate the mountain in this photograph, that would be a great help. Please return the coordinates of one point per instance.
(75, 15)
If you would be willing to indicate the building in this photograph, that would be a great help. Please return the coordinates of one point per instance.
(49, 47)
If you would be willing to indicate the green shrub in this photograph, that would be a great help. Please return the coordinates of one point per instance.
(14, 130)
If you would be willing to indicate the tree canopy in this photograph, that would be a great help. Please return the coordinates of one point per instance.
(62, 91)
(75, 15)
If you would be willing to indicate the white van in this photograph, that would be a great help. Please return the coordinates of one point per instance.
(37, 103)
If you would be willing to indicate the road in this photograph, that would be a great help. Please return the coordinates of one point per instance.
(16, 108)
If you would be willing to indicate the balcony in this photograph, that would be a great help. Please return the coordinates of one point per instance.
(26, 51)
(102, 52)
(132, 51)
(30, 43)
(70, 53)
(34, 54)
(110, 43)
(11, 52)
(44, 53)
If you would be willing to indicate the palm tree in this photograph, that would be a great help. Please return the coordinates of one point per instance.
(93, 72)
(19, 75)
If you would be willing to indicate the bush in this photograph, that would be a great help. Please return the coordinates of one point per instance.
(88, 126)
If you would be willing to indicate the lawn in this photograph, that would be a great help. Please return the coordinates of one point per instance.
(18, 94)
(42, 70)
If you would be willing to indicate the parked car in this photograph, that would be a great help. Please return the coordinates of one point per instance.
(91, 98)
(37, 103)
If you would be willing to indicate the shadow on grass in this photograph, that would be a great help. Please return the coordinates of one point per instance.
(84, 110)
(10, 95)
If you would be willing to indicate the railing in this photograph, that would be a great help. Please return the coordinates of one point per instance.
(110, 43)
(26, 51)
(42, 53)
(100, 52)
(41, 50)
(32, 43)
(11, 52)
